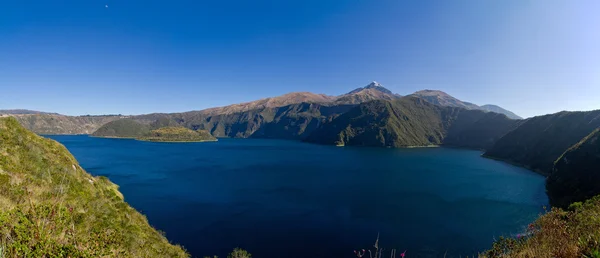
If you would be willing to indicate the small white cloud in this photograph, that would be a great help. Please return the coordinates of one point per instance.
(105, 6)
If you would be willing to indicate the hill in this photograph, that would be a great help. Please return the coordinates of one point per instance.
(539, 141)
(123, 128)
(60, 124)
(576, 174)
(50, 207)
(177, 134)
(411, 121)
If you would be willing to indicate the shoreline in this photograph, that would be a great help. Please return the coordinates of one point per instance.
(142, 140)
(537, 171)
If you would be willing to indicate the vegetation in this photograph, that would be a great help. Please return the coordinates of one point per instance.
(50, 207)
(538, 142)
(177, 134)
(576, 174)
(559, 233)
(123, 128)
(411, 121)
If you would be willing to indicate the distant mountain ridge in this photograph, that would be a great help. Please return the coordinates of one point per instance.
(444, 99)
(23, 112)
(497, 109)
(289, 116)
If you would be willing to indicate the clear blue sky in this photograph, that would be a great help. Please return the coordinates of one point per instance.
(80, 57)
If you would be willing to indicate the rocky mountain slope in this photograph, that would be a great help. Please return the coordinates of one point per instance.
(50, 207)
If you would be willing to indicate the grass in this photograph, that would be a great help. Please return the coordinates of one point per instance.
(50, 207)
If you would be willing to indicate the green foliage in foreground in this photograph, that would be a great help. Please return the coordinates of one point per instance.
(560, 233)
(50, 207)
(177, 134)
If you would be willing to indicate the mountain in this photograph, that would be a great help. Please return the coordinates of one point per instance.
(444, 99)
(23, 112)
(288, 122)
(497, 109)
(177, 134)
(60, 124)
(280, 101)
(411, 121)
(541, 140)
(51, 207)
(576, 173)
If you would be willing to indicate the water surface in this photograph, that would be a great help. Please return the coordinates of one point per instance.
(289, 199)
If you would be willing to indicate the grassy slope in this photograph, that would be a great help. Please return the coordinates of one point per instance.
(49, 206)
(560, 233)
(539, 141)
(177, 134)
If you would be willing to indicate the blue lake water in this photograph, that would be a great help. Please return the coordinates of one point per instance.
(290, 199)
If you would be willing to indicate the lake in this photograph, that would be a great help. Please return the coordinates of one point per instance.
(279, 198)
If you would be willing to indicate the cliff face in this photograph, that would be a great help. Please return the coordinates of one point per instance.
(576, 174)
(50, 206)
(60, 124)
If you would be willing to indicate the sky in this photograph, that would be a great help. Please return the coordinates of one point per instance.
(80, 57)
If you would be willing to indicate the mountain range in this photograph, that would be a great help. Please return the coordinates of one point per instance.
(564, 146)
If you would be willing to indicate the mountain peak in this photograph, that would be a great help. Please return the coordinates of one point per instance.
(373, 85)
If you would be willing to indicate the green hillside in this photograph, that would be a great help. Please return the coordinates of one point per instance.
(123, 128)
(539, 141)
(50, 207)
(576, 174)
(177, 134)
(412, 121)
